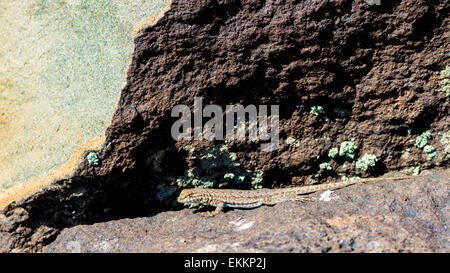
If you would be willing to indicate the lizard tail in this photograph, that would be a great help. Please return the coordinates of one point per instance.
(338, 185)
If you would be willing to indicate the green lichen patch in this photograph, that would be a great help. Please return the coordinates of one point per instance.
(78, 194)
(240, 178)
(422, 140)
(445, 81)
(348, 149)
(445, 141)
(317, 110)
(422, 143)
(189, 148)
(432, 155)
(292, 142)
(229, 176)
(349, 177)
(257, 179)
(406, 154)
(213, 167)
(415, 170)
(333, 152)
(428, 149)
(193, 178)
(366, 161)
(325, 166)
(314, 179)
(93, 159)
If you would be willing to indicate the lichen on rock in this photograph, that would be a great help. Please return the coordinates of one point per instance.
(217, 167)
(445, 80)
(366, 161)
(348, 149)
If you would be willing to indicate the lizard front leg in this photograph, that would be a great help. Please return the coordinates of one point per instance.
(219, 208)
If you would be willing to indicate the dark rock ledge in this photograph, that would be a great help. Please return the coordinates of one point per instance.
(385, 216)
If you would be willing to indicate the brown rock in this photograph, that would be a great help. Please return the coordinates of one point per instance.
(374, 69)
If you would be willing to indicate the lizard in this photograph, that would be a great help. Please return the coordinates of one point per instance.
(248, 199)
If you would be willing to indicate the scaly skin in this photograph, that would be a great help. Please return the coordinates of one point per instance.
(221, 198)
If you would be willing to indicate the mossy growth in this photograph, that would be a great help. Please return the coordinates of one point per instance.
(422, 143)
(333, 152)
(189, 148)
(325, 166)
(406, 154)
(445, 81)
(292, 141)
(422, 140)
(194, 180)
(349, 177)
(415, 170)
(216, 166)
(92, 158)
(240, 179)
(445, 141)
(317, 110)
(314, 179)
(366, 161)
(257, 179)
(348, 149)
(428, 149)
(229, 176)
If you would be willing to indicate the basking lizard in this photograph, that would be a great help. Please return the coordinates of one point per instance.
(221, 198)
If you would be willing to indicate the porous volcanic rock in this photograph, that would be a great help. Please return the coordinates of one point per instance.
(383, 216)
(374, 69)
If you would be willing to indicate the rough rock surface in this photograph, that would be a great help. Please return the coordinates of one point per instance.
(375, 70)
(384, 216)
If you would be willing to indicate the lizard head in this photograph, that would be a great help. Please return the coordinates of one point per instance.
(187, 196)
